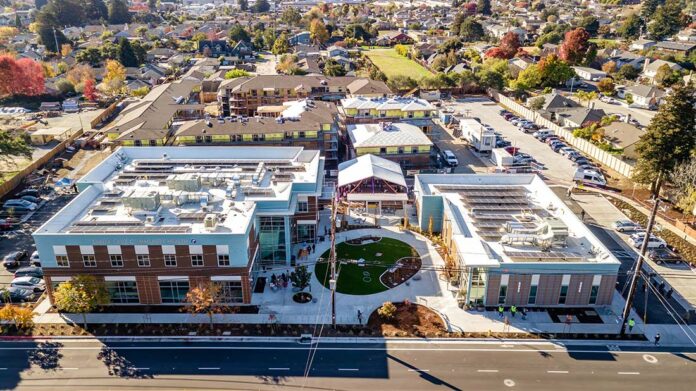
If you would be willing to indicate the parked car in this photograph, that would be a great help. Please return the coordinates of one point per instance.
(15, 294)
(31, 199)
(664, 255)
(557, 146)
(34, 283)
(625, 225)
(28, 192)
(19, 205)
(579, 158)
(636, 240)
(590, 177)
(504, 112)
(14, 258)
(5, 224)
(502, 143)
(551, 139)
(541, 133)
(565, 151)
(31, 271)
(34, 259)
(450, 158)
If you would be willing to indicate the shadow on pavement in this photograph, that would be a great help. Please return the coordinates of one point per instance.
(46, 356)
(424, 375)
(14, 359)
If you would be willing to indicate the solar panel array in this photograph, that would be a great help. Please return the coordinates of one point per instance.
(128, 229)
(545, 255)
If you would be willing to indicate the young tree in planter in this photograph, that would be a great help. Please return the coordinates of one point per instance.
(387, 311)
(301, 277)
(22, 317)
(202, 299)
(81, 295)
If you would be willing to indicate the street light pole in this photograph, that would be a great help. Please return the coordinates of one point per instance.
(639, 263)
(332, 259)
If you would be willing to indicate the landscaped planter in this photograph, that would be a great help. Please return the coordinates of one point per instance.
(302, 297)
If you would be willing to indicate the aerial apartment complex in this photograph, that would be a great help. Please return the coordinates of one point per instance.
(512, 241)
(152, 222)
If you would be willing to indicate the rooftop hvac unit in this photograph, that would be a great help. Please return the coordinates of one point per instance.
(210, 222)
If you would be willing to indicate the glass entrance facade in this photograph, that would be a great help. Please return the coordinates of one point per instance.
(122, 292)
(272, 240)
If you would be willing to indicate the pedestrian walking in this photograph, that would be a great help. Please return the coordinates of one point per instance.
(359, 317)
(312, 248)
(507, 324)
(631, 323)
(582, 215)
(569, 192)
(657, 339)
(513, 310)
(501, 311)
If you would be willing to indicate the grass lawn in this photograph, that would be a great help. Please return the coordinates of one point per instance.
(392, 64)
(352, 279)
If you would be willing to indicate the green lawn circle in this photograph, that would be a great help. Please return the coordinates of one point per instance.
(363, 280)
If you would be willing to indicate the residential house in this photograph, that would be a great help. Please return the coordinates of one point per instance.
(393, 38)
(647, 97)
(642, 44)
(623, 57)
(687, 35)
(624, 136)
(650, 70)
(580, 117)
(589, 74)
(301, 38)
(360, 110)
(683, 48)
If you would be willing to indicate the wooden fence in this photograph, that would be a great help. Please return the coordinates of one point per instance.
(13, 182)
(607, 159)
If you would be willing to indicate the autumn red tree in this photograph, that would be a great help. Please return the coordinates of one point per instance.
(89, 91)
(20, 77)
(575, 46)
(508, 48)
(470, 8)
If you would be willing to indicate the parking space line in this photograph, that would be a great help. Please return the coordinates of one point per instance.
(278, 369)
(556, 371)
(209, 368)
(628, 373)
(348, 369)
(488, 370)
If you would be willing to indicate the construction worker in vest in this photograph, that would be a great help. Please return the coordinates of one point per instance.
(501, 311)
(513, 310)
(631, 323)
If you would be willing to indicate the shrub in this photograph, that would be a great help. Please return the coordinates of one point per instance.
(387, 311)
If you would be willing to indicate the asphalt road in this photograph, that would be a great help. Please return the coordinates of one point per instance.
(344, 366)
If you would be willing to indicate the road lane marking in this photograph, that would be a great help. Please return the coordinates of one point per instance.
(556, 371)
(349, 369)
(488, 370)
(142, 369)
(419, 370)
(509, 382)
(70, 369)
(628, 373)
(3, 369)
(278, 369)
(650, 358)
(209, 368)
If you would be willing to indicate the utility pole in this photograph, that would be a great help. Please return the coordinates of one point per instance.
(55, 38)
(332, 259)
(639, 263)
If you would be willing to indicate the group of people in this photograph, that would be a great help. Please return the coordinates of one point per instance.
(280, 281)
(513, 311)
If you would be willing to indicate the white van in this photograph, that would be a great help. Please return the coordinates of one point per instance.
(542, 133)
(450, 158)
(590, 177)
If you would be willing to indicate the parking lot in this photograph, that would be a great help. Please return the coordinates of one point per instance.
(558, 169)
(469, 162)
(20, 237)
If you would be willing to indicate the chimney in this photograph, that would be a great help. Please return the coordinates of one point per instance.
(627, 118)
(645, 64)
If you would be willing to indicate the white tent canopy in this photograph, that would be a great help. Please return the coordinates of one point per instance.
(367, 166)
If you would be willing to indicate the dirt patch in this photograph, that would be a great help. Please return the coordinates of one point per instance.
(410, 319)
(402, 270)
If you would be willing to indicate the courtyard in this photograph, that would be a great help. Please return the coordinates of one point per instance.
(370, 266)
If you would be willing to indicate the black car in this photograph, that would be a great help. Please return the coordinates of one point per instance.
(14, 294)
(502, 143)
(664, 255)
(28, 192)
(578, 158)
(14, 258)
(29, 271)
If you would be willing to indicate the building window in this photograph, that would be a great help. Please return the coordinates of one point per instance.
(170, 260)
(123, 292)
(302, 206)
(272, 240)
(173, 291)
(383, 150)
(414, 149)
(143, 260)
(532, 295)
(89, 261)
(137, 143)
(502, 294)
(196, 260)
(116, 260)
(401, 150)
(229, 291)
(153, 143)
(564, 294)
(223, 260)
(306, 232)
(62, 261)
(594, 292)
(301, 135)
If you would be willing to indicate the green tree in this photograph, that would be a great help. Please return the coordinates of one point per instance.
(126, 55)
(48, 35)
(537, 103)
(261, 6)
(281, 44)
(318, 32)
(291, 16)
(152, 5)
(553, 71)
(96, 10)
(630, 28)
(118, 12)
(585, 96)
(666, 77)
(484, 7)
(81, 295)
(471, 30)
(387, 311)
(648, 8)
(235, 73)
(669, 139)
(606, 86)
(238, 33)
(60, 13)
(401, 82)
(666, 21)
(628, 72)
(13, 145)
(301, 277)
(243, 5)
